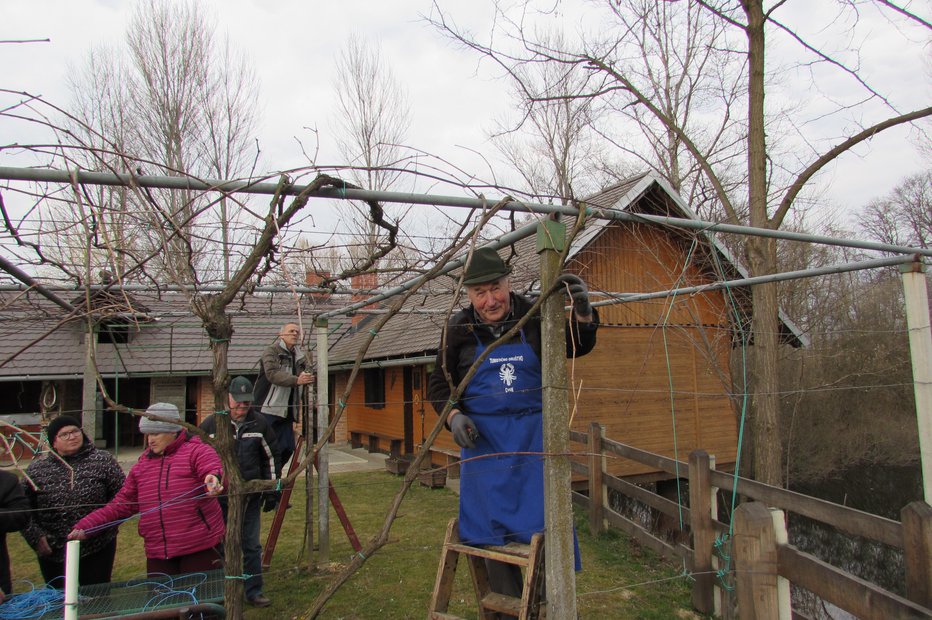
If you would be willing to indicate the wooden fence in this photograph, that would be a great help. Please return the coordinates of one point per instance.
(764, 561)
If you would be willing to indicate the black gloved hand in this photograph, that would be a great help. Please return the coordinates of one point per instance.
(579, 293)
(270, 500)
(464, 431)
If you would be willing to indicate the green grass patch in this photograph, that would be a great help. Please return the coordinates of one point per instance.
(619, 578)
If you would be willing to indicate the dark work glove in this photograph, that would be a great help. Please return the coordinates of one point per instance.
(579, 293)
(270, 500)
(464, 431)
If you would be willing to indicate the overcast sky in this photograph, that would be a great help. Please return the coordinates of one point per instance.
(454, 98)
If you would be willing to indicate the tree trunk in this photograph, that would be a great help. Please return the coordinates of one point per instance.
(218, 326)
(762, 259)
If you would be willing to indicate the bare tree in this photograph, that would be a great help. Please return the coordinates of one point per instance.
(370, 127)
(905, 216)
(771, 187)
(231, 109)
(179, 103)
(552, 145)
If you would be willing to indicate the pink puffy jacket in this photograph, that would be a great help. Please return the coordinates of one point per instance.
(167, 490)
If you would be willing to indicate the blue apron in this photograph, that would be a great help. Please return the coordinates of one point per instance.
(502, 496)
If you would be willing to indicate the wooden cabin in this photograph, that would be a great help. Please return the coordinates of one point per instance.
(659, 377)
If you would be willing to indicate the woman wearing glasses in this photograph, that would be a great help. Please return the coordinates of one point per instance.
(71, 481)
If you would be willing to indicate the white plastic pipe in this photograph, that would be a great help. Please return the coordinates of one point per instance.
(72, 560)
(920, 348)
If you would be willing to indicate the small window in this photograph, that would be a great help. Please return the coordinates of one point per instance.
(375, 387)
(114, 331)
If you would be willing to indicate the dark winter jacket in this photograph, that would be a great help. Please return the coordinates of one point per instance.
(167, 490)
(256, 447)
(464, 326)
(14, 509)
(68, 488)
(275, 392)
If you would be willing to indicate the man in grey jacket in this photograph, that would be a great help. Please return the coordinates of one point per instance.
(281, 371)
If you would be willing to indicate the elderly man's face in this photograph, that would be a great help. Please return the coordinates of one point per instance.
(290, 335)
(491, 300)
(238, 409)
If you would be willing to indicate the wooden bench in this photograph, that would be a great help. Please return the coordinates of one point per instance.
(447, 458)
(373, 442)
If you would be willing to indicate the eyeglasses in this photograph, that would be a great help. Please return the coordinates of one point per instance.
(68, 434)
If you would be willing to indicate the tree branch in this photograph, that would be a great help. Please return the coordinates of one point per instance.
(819, 163)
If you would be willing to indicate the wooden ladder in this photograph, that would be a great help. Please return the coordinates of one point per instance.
(491, 604)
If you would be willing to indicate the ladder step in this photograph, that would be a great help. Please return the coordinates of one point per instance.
(512, 553)
(503, 603)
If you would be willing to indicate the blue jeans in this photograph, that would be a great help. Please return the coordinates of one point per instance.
(252, 550)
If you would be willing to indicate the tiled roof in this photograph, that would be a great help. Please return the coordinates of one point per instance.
(35, 343)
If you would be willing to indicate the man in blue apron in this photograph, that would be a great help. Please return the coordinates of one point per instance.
(499, 415)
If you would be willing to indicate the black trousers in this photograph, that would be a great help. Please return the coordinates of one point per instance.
(93, 568)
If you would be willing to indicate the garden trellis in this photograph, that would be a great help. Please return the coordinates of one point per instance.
(905, 255)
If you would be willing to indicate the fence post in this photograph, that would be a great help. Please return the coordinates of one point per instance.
(700, 517)
(916, 295)
(597, 493)
(917, 552)
(762, 593)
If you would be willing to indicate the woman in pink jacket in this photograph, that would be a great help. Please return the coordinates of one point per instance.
(173, 487)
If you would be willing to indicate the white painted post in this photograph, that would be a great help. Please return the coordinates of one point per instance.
(784, 603)
(72, 564)
(323, 463)
(920, 347)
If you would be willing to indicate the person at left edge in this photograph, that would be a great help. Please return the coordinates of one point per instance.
(174, 487)
(13, 514)
(63, 486)
(258, 458)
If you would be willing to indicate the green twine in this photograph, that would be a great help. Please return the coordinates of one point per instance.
(452, 403)
(341, 404)
(222, 412)
(212, 339)
(719, 547)
(278, 485)
(361, 555)
(686, 574)
(374, 332)
(244, 576)
(722, 575)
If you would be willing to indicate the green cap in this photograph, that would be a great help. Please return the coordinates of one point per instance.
(241, 389)
(486, 266)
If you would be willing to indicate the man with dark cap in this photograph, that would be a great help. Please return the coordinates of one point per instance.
(500, 412)
(258, 457)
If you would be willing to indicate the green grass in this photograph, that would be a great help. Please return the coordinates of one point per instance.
(619, 578)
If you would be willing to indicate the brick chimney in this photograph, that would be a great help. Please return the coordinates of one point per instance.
(314, 278)
(362, 285)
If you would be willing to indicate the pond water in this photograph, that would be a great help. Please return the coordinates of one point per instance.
(882, 490)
